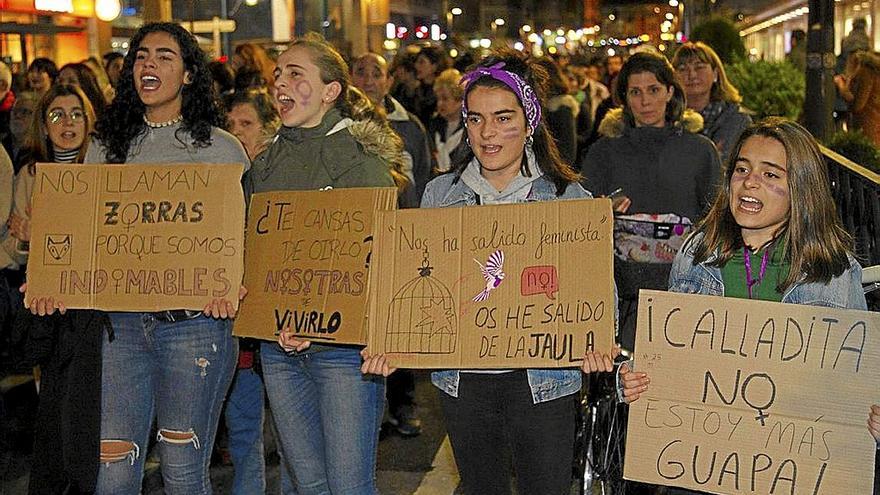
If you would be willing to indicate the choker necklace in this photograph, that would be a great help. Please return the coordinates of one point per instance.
(159, 125)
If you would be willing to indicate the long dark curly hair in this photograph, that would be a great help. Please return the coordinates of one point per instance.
(123, 122)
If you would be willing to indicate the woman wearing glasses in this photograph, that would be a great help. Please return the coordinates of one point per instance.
(62, 122)
(67, 348)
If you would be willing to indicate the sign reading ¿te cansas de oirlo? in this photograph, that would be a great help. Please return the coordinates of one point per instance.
(496, 286)
(753, 396)
(307, 263)
(137, 237)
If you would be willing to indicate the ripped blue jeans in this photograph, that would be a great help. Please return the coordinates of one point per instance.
(176, 372)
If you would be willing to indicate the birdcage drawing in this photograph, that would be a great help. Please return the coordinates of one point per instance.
(422, 317)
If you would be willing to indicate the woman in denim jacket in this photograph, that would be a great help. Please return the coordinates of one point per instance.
(503, 419)
(772, 234)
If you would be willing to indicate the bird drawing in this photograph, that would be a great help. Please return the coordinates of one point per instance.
(492, 273)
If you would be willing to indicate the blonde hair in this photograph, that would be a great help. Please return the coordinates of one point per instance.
(722, 89)
(451, 80)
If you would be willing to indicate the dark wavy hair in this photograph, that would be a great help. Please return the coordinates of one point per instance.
(88, 82)
(436, 56)
(123, 122)
(546, 153)
(662, 70)
(556, 85)
(43, 64)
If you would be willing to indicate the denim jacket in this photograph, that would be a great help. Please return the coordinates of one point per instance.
(843, 292)
(545, 384)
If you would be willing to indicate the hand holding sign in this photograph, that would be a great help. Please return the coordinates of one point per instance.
(874, 422)
(222, 308)
(376, 364)
(634, 383)
(290, 343)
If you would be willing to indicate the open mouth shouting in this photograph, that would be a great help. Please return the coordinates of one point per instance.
(750, 204)
(491, 149)
(150, 82)
(285, 103)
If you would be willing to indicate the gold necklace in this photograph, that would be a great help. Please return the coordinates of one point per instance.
(159, 125)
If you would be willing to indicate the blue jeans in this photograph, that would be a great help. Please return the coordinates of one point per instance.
(327, 415)
(244, 420)
(178, 372)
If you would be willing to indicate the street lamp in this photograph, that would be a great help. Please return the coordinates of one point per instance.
(494, 25)
(450, 15)
(107, 10)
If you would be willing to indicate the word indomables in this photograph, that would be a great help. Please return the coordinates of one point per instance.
(170, 282)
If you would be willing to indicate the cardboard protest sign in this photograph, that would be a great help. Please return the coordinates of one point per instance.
(136, 237)
(500, 286)
(753, 397)
(307, 263)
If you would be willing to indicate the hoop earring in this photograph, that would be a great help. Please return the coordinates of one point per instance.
(530, 141)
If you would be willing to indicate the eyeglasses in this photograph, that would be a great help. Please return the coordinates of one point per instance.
(55, 116)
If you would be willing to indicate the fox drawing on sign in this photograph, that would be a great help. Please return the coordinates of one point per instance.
(58, 248)
(492, 273)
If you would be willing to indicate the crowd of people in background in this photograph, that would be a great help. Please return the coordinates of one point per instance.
(656, 135)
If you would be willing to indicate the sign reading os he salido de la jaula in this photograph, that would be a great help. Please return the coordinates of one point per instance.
(497, 286)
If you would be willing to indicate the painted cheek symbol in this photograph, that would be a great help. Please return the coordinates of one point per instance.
(303, 90)
(509, 132)
(773, 188)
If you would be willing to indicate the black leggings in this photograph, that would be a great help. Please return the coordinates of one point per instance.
(494, 426)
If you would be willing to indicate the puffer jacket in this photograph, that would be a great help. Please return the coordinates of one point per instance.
(337, 153)
(662, 170)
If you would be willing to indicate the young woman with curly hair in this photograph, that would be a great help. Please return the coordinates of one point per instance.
(164, 112)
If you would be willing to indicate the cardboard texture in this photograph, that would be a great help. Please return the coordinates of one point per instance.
(307, 263)
(500, 286)
(136, 237)
(753, 397)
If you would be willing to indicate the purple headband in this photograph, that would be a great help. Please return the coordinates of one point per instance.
(517, 84)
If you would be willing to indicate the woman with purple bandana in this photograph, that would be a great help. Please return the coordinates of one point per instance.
(504, 421)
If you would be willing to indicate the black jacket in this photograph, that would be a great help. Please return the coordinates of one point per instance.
(68, 429)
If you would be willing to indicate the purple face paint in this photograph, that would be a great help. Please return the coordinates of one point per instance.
(303, 92)
(782, 192)
(510, 132)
